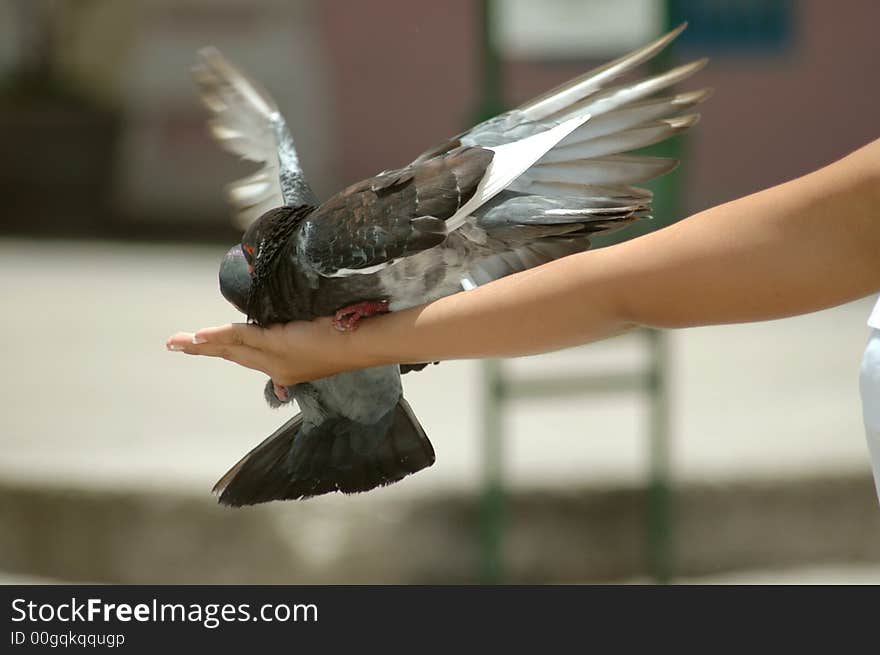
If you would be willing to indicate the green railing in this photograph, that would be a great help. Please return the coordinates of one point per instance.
(649, 381)
(499, 390)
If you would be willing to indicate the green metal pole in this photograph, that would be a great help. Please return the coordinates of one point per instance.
(492, 510)
(491, 90)
(492, 507)
(660, 528)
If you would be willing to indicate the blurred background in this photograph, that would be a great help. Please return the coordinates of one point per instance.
(723, 454)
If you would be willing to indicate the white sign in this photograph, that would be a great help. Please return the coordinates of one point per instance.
(558, 29)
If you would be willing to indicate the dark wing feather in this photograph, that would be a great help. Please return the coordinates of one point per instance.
(440, 149)
(398, 213)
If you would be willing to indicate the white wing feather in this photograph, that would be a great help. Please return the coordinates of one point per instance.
(246, 121)
(510, 161)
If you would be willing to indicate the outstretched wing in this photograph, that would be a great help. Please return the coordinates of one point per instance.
(247, 122)
(592, 164)
(612, 109)
(585, 183)
(376, 222)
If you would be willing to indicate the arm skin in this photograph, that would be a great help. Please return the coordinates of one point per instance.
(805, 245)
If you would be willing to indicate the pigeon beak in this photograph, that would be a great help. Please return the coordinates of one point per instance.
(235, 278)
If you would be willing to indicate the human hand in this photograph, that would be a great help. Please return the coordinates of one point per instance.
(288, 353)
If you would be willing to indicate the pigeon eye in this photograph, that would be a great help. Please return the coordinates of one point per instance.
(249, 249)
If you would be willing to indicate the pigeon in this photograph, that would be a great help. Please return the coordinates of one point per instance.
(516, 191)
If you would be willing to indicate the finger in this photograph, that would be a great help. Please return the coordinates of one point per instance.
(233, 334)
(179, 340)
(243, 355)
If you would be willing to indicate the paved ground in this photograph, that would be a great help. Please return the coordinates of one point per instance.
(832, 574)
(15, 579)
(846, 574)
(91, 396)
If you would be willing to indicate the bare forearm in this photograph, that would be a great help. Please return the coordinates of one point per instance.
(802, 246)
(550, 307)
(798, 247)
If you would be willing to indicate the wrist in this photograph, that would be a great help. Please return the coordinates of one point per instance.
(356, 349)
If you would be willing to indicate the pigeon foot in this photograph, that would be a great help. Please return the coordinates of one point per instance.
(346, 319)
(280, 392)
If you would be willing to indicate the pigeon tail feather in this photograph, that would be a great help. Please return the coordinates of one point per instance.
(299, 461)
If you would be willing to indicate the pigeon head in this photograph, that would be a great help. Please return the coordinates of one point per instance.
(239, 264)
(269, 232)
(250, 275)
(235, 278)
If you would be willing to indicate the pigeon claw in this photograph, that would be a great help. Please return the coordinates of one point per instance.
(347, 318)
(280, 392)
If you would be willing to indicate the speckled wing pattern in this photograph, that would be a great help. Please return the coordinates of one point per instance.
(375, 222)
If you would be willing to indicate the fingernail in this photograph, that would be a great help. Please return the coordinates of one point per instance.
(173, 346)
(197, 340)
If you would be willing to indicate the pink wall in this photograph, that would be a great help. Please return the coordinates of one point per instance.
(773, 119)
(404, 78)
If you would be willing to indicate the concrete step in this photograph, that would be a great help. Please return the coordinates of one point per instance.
(583, 534)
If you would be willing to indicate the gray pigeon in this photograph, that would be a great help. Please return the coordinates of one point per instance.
(521, 189)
